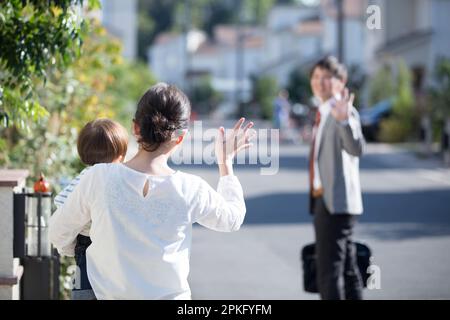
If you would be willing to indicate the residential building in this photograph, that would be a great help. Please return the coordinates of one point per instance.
(120, 19)
(416, 31)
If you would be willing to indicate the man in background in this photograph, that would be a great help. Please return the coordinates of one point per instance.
(335, 192)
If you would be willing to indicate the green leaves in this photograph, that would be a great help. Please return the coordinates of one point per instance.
(440, 93)
(51, 90)
(382, 85)
(94, 4)
(36, 38)
(400, 126)
(264, 92)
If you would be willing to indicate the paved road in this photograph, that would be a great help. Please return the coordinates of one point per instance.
(406, 223)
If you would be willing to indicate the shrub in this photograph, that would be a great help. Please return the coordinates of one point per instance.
(403, 121)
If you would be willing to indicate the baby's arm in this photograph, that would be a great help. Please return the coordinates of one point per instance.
(68, 220)
(59, 201)
(61, 197)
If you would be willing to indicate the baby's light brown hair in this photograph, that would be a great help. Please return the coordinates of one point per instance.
(102, 141)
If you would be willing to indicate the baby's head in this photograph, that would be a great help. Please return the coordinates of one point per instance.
(162, 117)
(102, 141)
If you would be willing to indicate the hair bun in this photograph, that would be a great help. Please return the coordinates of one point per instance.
(155, 127)
(161, 110)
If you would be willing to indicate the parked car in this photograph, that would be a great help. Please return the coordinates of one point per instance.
(372, 116)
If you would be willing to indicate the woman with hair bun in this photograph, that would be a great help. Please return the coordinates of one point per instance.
(142, 211)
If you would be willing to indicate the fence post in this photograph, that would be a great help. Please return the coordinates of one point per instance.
(10, 270)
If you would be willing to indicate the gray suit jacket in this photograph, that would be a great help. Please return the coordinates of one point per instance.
(340, 147)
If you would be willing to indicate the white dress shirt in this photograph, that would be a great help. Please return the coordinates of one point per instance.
(141, 244)
(324, 109)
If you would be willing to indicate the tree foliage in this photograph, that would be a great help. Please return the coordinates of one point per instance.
(36, 38)
(203, 97)
(400, 126)
(97, 84)
(440, 93)
(382, 85)
(265, 90)
(74, 89)
(299, 87)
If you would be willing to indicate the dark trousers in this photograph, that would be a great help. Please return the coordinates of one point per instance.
(81, 278)
(338, 277)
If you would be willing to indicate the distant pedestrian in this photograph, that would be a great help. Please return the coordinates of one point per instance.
(335, 192)
(281, 112)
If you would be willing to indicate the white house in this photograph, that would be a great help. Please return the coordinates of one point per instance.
(120, 19)
(284, 16)
(293, 36)
(292, 46)
(169, 56)
(417, 31)
(354, 30)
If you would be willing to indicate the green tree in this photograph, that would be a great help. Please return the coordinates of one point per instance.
(265, 90)
(154, 17)
(404, 102)
(440, 93)
(382, 85)
(299, 87)
(401, 124)
(36, 38)
(355, 83)
(203, 96)
(257, 10)
(439, 97)
(97, 84)
(129, 83)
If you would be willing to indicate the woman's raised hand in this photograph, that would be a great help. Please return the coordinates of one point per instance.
(228, 145)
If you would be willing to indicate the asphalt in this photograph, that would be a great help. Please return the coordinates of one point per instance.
(406, 223)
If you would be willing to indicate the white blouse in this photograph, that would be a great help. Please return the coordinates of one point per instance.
(141, 244)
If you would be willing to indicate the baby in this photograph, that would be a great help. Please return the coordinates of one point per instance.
(100, 141)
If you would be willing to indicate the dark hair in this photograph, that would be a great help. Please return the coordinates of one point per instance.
(332, 65)
(102, 141)
(162, 110)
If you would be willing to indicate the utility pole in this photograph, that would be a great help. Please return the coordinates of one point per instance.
(340, 30)
(185, 51)
(239, 72)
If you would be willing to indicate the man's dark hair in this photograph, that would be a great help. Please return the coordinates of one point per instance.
(162, 110)
(332, 65)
